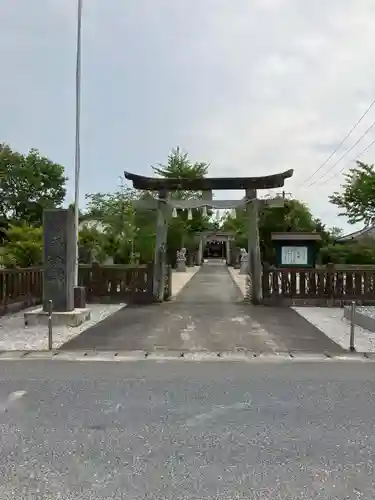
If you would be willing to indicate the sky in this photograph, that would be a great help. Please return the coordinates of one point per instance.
(252, 87)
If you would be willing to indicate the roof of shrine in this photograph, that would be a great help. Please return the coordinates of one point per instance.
(208, 183)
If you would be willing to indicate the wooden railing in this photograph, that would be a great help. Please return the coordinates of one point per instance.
(117, 283)
(324, 286)
(20, 287)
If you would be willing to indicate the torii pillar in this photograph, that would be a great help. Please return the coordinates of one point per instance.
(163, 212)
(255, 261)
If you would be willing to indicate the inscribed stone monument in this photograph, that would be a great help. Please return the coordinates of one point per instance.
(59, 254)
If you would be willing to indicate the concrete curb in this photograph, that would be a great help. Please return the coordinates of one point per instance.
(233, 275)
(199, 356)
(191, 275)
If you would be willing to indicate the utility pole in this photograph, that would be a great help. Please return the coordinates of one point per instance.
(77, 156)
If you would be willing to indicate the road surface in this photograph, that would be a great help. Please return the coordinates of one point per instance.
(178, 430)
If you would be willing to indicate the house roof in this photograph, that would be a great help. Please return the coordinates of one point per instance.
(295, 236)
(366, 231)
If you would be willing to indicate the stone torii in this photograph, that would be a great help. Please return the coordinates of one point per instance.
(165, 206)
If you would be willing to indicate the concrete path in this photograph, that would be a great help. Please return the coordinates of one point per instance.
(179, 280)
(207, 315)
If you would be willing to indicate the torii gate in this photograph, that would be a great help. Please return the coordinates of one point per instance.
(165, 207)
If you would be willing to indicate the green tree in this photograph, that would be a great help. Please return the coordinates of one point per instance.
(28, 184)
(293, 216)
(181, 231)
(129, 231)
(23, 246)
(334, 232)
(113, 210)
(91, 245)
(179, 166)
(351, 252)
(357, 198)
(118, 225)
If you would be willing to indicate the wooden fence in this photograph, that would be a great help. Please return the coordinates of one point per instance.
(117, 283)
(20, 288)
(324, 286)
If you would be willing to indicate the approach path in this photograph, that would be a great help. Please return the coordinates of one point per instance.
(207, 315)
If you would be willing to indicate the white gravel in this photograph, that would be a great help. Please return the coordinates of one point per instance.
(367, 310)
(331, 321)
(15, 336)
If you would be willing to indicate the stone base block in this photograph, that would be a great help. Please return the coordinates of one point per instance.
(360, 319)
(181, 267)
(79, 297)
(244, 268)
(70, 318)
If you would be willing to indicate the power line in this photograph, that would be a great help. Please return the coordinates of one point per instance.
(344, 155)
(341, 143)
(343, 168)
(354, 159)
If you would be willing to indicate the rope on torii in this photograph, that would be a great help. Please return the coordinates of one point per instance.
(152, 204)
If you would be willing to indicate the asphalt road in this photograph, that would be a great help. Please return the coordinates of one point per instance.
(178, 430)
(208, 315)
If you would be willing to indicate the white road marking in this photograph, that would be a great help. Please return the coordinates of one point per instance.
(13, 396)
(215, 412)
(186, 337)
(11, 399)
(240, 319)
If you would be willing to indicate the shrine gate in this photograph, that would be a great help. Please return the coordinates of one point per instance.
(166, 207)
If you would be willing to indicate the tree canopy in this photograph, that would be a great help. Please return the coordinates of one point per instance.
(293, 216)
(29, 184)
(357, 198)
(179, 166)
(127, 230)
(23, 246)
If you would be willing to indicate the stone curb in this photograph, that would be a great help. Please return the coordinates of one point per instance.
(122, 356)
(233, 275)
(191, 275)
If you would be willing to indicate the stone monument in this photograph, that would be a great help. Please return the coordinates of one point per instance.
(58, 274)
(181, 260)
(244, 262)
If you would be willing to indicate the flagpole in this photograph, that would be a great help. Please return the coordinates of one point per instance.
(77, 156)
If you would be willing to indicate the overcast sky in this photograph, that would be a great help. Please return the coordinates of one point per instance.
(251, 86)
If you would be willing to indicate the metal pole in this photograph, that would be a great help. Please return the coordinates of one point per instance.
(352, 323)
(77, 157)
(50, 325)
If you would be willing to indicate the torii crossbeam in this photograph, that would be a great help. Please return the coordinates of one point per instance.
(208, 183)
